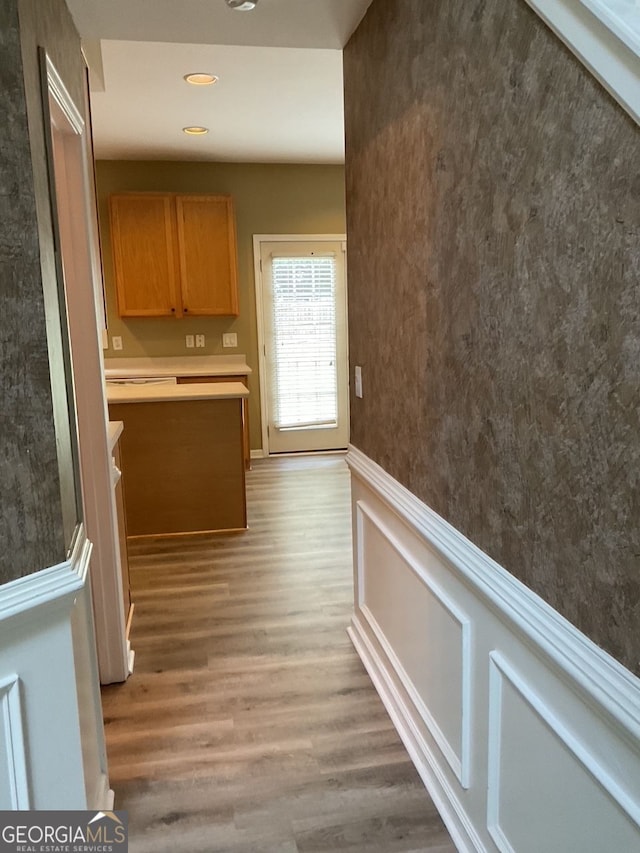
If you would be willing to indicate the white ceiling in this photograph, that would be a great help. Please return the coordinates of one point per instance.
(279, 97)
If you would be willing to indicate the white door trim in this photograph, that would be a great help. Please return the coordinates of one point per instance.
(73, 177)
(258, 240)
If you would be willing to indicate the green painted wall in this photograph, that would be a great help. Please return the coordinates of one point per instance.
(269, 199)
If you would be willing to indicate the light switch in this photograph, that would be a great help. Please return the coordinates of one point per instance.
(189, 341)
(358, 381)
(229, 339)
(116, 341)
(199, 340)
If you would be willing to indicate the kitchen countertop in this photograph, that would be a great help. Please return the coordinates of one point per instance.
(190, 365)
(114, 431)
(164, 393)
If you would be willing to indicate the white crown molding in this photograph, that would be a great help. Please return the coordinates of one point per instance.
(604, 682)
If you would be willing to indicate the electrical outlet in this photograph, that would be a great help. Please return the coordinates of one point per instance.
(189, 341)
(199, 340)
(358, 381)
(116, 342)
(229, 339)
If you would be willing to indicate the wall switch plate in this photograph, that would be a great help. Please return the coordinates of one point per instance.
(189, 341)
(358, 381)
(199, 340)
(229, 339)
(116, 342)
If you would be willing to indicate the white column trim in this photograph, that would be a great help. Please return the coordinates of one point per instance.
(63, 99)
(76, 215)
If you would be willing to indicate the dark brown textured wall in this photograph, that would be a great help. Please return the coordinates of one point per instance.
(32, 528)
(493, 215)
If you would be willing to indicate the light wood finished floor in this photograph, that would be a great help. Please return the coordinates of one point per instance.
(250, 725)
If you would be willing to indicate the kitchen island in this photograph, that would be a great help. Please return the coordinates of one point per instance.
(182, 456)
(187, 369)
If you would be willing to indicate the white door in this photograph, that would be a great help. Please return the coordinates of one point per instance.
(304, 309)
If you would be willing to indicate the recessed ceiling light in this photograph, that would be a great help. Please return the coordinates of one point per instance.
(199, 78)
(195, 131)
(242, 5)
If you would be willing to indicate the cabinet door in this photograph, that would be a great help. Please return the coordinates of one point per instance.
(145, 260)
(207, 248)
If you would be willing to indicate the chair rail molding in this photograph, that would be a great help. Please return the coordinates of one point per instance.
(515, 720)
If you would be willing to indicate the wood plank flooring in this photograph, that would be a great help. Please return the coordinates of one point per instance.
(249, 724)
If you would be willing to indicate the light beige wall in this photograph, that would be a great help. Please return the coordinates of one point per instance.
(269, 199)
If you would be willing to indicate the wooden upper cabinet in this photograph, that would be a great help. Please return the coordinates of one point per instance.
(207, 246)
(144, 255)
(174, 255)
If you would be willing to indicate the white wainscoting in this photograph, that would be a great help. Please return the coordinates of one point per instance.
(14, 789)
(525, 733)
(52, 752)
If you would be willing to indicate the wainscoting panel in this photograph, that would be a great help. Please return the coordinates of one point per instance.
(428, 639)
(558, 778)
(52, 752)
(14, 789)
(526, 734)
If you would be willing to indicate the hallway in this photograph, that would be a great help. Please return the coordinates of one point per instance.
(250, 725)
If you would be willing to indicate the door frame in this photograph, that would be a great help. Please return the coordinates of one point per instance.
(258, 240)
(72, 187)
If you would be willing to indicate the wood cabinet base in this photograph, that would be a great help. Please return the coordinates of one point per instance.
(191, 380)
(183, 466)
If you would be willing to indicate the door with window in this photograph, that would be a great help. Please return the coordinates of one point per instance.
(304, 365)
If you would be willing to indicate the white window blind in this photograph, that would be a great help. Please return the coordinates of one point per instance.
(304, 374)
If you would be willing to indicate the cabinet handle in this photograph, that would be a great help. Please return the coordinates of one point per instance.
(186, 310)
(173, 310)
